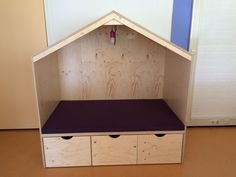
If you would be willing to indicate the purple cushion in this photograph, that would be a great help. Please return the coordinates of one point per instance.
(112, 116)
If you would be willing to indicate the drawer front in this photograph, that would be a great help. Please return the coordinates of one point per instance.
(67, 151)
(115, 150)
(160, 148)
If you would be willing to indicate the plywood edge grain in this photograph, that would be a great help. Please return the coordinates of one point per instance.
(38, 117)
(113, 133)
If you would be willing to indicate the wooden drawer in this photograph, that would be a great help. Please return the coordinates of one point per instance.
(67, 151)
(165, 148)
(114, 150)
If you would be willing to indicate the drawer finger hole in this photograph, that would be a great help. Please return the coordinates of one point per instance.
(67, 137)
(114, 136)
(160, 135)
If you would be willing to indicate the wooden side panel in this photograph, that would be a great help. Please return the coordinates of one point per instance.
(153, 149)
(176, 84)
(47, 86)
(61, 152)
(114, 151)
(93, 68)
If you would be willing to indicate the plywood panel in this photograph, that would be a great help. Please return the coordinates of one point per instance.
(22, 34)
(93, 68)
(176, 84)
(61, 152)
(114, 151)
(47, 86)
(164, 149)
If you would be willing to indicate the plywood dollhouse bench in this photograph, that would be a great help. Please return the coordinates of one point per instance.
(106, 104)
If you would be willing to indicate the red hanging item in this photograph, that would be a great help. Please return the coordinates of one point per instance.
(113, 35)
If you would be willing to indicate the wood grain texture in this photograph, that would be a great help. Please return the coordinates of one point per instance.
(93, 68)
(121, 19)
(153, 149)
(114, 151)
(71, 152)
(47, 86)
(176, 84)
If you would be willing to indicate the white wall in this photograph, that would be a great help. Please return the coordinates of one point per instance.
(64, 17)
(214, 95)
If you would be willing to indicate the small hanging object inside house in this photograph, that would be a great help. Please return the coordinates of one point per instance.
(113, 35)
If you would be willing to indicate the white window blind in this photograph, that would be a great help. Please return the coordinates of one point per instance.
(214, 95)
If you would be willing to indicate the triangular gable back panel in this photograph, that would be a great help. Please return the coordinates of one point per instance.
(116, 19)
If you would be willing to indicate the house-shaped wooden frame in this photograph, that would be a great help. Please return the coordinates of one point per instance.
(105, 104)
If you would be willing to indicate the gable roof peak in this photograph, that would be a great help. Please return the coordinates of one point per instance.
(113, 17)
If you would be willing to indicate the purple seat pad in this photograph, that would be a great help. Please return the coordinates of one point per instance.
(112, 116)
